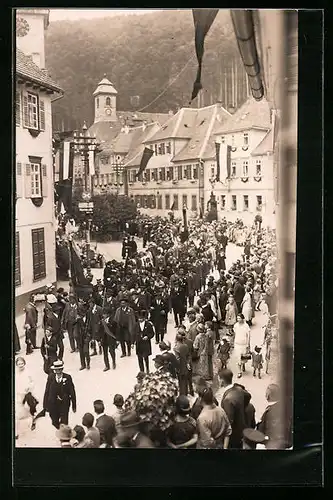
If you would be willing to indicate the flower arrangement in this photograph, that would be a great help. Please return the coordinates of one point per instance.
(154, 399)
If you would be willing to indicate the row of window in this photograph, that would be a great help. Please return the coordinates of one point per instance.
(179, 172)
(107, 102)
(162, 148)
(231, 140)
(241, 169)
(34, 177)
(30, 111)
(105, 179)
(245, 203)
(38, 256)
(152, 201)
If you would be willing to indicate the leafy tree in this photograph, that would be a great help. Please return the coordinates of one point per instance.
(111, 212)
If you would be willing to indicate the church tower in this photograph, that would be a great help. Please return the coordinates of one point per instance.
(105, 102)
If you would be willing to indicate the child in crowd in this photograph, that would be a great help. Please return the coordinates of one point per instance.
(257, 361)
(223, 352)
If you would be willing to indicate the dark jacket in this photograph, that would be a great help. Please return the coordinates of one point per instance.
(182, 353)
(69, 315)
(239, 292)
(234, 405)
(94, 319)
(31, 315)
(107, 429)
(143, 347)
(270, 425)
(159, 311)
(82, 332)
(50, 348)
(108, 333)
(207, 313)
(197, 408)
(64, 390)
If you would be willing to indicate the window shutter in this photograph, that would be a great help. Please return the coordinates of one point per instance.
(18, 108)
(19, 186)
(41, 115)
(27, 183)
(25, 112)
(44, 181)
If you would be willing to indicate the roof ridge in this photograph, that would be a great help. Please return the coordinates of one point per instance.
(175, 130)
(208, 133)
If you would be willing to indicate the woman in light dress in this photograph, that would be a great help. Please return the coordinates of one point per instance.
(241, 342)
(23, 386)
(247, 306)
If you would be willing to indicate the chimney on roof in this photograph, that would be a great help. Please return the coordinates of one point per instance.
(126, 129)
(170, 113)
(144, 126)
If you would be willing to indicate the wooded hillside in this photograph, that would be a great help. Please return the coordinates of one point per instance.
(141, 55)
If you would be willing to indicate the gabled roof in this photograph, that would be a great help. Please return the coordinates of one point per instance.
(265, 146)
(136, 118)
(27, 69)
(178, 126)
(201, 132)
(134, 156)
(253, 114)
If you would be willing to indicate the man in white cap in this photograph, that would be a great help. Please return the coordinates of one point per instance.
(59, 395)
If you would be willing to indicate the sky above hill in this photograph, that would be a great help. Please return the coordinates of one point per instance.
(74, 14)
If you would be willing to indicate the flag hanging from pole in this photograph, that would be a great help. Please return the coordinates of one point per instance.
(91, 162)
(147, 154)
(65, 162)
(218, 165)
(82, 286)
(172, 206)
(228, 162)
(203, 20)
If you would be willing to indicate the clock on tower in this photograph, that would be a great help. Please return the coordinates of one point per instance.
(22, 26)
(108, 111)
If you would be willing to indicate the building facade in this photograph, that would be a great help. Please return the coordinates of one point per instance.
(249, 191)
(35, 264)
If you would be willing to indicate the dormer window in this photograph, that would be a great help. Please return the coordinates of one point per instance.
(108, 101)
(168, 147)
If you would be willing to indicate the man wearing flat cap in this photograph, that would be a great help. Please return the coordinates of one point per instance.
(59, 395)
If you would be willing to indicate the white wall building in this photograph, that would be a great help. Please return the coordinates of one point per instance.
(35, 222)
(250, 190)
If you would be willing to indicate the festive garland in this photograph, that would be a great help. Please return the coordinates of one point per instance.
(257, 178)
(245, 148)
(233, 148)
(154, 399)
(244, 179)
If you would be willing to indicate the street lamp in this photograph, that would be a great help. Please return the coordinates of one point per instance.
(119, 167)
(84, 144)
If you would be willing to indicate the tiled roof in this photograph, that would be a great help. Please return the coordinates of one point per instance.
(178, 126)
(105, 131)
(253, 114)
(133, 119)
(265, 146)
(201, 132)
(26, 68)
(122, 142)
(105, 86)
(137, 147)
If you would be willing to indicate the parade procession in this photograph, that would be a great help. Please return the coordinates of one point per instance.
(147, 312)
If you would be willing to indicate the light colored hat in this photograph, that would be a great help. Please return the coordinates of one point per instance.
(57, 365)
(51, 299)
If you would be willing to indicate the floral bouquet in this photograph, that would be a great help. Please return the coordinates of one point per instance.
(154, 400)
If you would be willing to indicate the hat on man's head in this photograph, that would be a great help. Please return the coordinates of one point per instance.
(191, 310)
(57, 365)
(183, 404)
(129, 419)
(65, 433)
(165, 345)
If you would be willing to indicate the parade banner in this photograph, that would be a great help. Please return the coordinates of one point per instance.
(82, 287)
(203, 19)
(147, 154)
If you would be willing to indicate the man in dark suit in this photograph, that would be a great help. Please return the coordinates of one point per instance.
(233, 403)
(189, 344)
(95, 315)
(49, 349)
(105, 424)
(271, 423)
(59, 395)
(69, 319)
(52, 320)
(182, 353)
(83, 336)
(239, 292)
(178, 303)
(159, 315)
(108, 340)
(144, 332)
(31, 319)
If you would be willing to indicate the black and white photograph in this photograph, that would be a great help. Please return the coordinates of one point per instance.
(155, 228)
